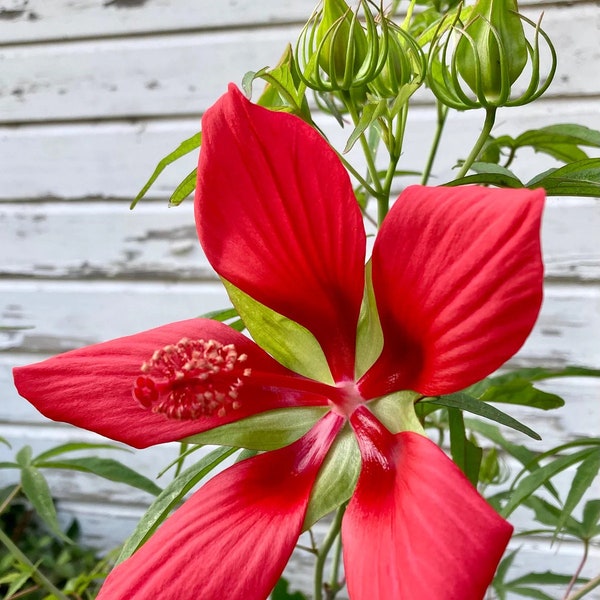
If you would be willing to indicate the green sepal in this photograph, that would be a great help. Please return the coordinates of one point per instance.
(369, 336)
(288, 342)
(337, 478)
(397, 412)
(266, 431)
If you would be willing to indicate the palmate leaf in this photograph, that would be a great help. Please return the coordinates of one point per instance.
(590, 523)
(170, 497)
(579, 178)
(561, 141)
(184, 148)
(529, 484)
(584, 476)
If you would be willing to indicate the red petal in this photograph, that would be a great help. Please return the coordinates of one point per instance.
(92, 387)
(415, 527)
(232, 538)
(458, 275)
(277, 217)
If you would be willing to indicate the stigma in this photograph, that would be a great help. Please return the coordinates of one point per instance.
(192, 379)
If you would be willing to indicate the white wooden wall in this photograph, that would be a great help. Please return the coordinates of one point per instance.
(93, 93)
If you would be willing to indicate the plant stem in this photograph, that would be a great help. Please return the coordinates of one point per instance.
(588, 587)
(10, 497)
(442, 113)
(330, 538)
(372, 169)
(35, 574)
(586, 545)
(490, 117)
(334, 583)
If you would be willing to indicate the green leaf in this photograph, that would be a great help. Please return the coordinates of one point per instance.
(541, 373)
(337, 477)
(489, 173)
(474, 405)
(580, 178)
(545, 578)
(281, 592)
(73, 447)
(5, 442)
(266, 431)
(170, 497)
(107, 468)
(590, 524)
(23, 456)
(548, 514)
(521, 392)
(466, 455)
(372, 110)
(525, 456)
(288, 342)
(184, 148)
(36, 488)
(532, 482)
(184, 189)
(582, 481)
(560, 141)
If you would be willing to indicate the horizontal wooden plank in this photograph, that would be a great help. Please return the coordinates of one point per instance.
(183, 74)
(113, 160)
(47, 316)
(43, 20)
(71, 314)
(106, 240)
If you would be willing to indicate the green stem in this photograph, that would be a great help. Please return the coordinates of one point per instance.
(588, 587)
(35, 574)
(442, 113)
(10, 497)
(330, 538)
(334, 580)
(490, 117)
(586, 545)
(371, 168)
(361, 180)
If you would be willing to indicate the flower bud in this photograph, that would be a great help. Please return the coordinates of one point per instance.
(494, 48)
(336, 52)
(405, 64)
(492, 51)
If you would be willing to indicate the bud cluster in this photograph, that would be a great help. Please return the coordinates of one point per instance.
(476, 64)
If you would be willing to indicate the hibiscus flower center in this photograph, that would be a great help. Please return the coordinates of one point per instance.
(191, 379)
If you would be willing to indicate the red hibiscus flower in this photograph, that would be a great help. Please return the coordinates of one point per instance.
(451, 292)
